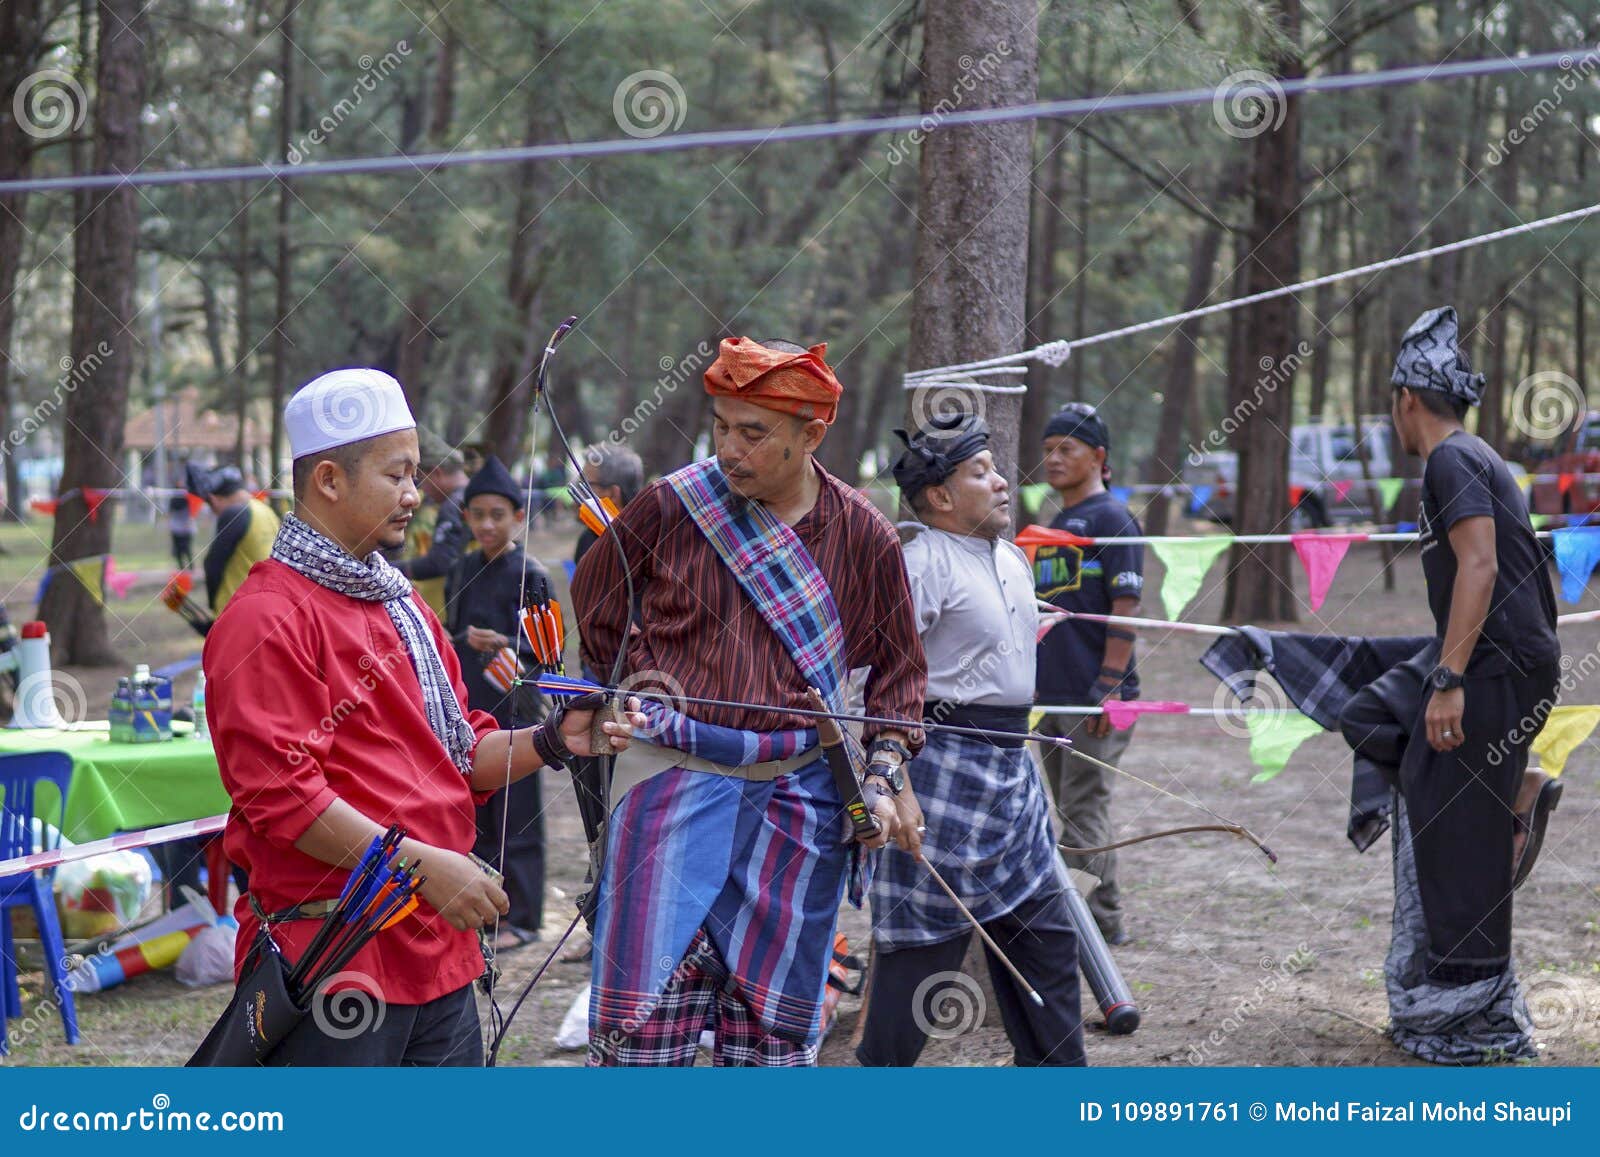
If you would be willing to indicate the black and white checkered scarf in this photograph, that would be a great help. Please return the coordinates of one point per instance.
(326, 563)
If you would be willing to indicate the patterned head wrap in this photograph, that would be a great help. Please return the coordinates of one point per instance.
(800, 384)
(1431, 358)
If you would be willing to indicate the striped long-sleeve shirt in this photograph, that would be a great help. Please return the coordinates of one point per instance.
(700, 635)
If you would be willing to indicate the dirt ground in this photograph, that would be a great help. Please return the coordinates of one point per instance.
(1232, 961)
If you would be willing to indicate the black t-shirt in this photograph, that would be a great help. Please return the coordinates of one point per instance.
(1464, 478)
(1085, 579)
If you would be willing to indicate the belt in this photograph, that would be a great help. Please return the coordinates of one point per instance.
(310, 910)
(981, 716)
(641, 761)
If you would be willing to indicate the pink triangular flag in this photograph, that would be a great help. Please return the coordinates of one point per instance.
(1123, 712)
(1321, 555)
(118, 582)
(1341, 490)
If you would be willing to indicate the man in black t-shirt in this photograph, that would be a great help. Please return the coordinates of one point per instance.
(1084, 663)
(1463, 753)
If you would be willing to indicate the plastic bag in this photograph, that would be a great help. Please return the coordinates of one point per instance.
(98, 896)
(209, 957)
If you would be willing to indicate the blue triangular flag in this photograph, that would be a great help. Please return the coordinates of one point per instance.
(1577, 552)
(1407, 528)
(1199, 496)
(570, 567)
(1122, 493)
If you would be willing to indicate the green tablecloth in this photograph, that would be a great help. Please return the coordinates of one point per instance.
(119, 787)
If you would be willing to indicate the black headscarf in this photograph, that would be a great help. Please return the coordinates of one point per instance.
(494, 478)
(935, 450)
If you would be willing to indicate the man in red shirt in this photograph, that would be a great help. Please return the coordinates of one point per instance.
(335, 706)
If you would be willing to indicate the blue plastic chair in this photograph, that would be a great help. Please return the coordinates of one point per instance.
(20, 775)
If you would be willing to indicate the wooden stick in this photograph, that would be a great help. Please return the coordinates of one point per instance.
(987, 939)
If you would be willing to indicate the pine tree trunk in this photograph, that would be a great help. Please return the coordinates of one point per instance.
(103, 345)
(971, 257)
(285, 257)
(1260, 585)
(21, 42)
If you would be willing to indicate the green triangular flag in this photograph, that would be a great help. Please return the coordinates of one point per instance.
(1187, 561)
(1389, 490)
(1036, 493)
(1274, 736)
(1540, 521)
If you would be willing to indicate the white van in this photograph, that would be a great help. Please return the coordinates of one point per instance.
(1324, 466)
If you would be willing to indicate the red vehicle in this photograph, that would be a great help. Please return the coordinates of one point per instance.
(1567, 479)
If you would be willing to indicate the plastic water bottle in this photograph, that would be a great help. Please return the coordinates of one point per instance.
(201, 729)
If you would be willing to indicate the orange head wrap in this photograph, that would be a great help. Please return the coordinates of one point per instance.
(797, 384)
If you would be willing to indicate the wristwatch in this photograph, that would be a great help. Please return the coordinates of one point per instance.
(892, 773)
(1444, 679)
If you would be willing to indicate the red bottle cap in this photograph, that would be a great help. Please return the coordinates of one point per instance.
(38, 629)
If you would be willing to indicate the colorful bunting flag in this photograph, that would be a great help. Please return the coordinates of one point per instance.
(196, 504)
(1341, 489)
(1389, 491)
(1564, 481)
(1198, 497)
(1296, 493)
(118, 582)
(45, 506)
(1274, 737)
(91, 573)
(1186, 562)
(1522, 479)
(1035, 493)
(1122, 493)
(1030, 538)
(1564, 730)
(1321, 555)
(1540, 521)
(93, 498)
(1577, 551)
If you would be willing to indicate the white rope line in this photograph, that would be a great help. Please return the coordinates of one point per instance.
(1053, 612)
(970, 387)
(1051, 350)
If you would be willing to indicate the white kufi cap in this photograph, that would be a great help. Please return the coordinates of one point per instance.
(345, 406)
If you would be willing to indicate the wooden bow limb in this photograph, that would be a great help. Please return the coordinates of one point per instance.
(1232, 829)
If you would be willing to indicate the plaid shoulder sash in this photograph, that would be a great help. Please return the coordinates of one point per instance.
(774, 569)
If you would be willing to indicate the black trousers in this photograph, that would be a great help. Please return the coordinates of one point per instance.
(353, 1029)
(1039, 938)
(517, 810)
(1461, 804)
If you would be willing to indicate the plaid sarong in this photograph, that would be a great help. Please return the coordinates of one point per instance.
(761, 867)
(988, 835)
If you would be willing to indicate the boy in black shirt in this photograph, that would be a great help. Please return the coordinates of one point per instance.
(1462, 738)
(484, 595)
(1083, 663)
